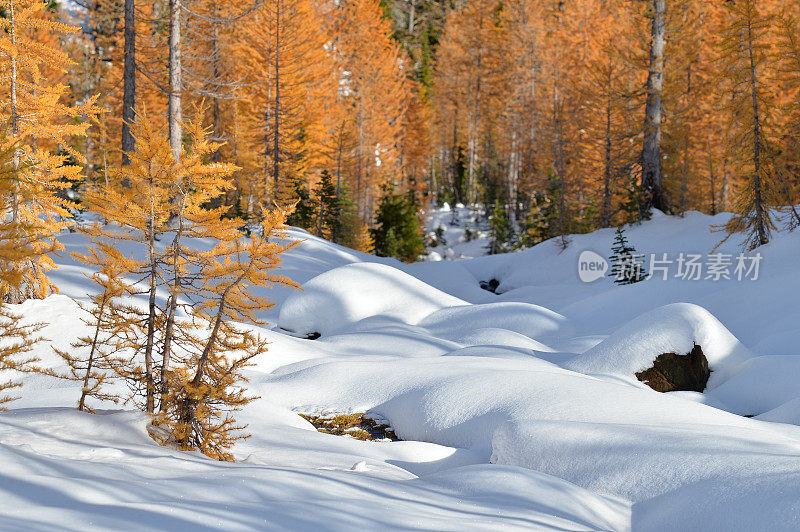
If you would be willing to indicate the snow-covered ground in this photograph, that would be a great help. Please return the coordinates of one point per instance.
(518, 409)
(457, 233)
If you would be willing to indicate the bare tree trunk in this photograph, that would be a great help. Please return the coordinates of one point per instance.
(14, 108)
(712, 181)
(725, 189)
(339, 150)
(558, 150)
(172, 307)
(762, 230)
(175, 71)
(652, 179)
(685, 163)
(236, 176)
(14, 292)
(276, 140)
(360, 205)
(129, 81)
(605, 210)
(513, 178)
(411, 16)
(215, 59)
(92, 352)
(150, 390)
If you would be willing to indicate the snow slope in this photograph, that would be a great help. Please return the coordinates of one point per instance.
(519, 410)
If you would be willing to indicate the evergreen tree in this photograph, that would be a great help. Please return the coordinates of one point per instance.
(329, 209)
(397, 231)
(502, 233)
(304, 211)
(635, 207)
(353, 232)
(625, 265)
(546, 218)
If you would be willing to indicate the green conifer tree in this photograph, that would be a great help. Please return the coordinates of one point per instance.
(303, 215)
(329, 208)
(501, 232)
(397, 231)
(625, 266)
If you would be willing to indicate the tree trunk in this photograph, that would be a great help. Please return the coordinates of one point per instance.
(175, 71)
(14, 110)
(14, 292)
(150, 390)
(276, 140)
(215, 107)
(559, 166)
(172, 307)
(129, 81)
(712, 180)
(605, 212)
(762, 230)
(188, 410)
(651, 152)
(92, 352)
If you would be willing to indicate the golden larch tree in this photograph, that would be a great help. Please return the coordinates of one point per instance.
(207, 387)
(41, 127)
(746, 50)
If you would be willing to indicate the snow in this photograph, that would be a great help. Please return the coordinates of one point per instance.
(745, 394)
(518, 410)
(104, 473)
(674, 328)
(788, 412)
(348, 294)
(533, 321)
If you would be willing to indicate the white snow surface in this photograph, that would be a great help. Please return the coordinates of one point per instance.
(348, 294)
(674, 328)
(518, 410)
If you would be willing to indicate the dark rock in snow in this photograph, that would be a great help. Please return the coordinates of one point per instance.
(490, 285)
(310, 336)
(672, 372)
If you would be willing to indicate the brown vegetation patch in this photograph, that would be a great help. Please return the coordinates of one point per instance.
(360, 426)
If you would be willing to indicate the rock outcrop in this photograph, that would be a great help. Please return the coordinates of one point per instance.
(672, 372)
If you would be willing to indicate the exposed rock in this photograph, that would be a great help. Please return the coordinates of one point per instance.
(672, 372)
(491, 285)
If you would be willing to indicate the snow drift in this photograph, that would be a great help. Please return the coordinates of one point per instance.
(674, 328)
(348, 294)
(533, 321)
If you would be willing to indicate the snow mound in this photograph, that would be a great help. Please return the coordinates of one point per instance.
(788, 412)
(674, 328)
(761, 384)
(501, 337)
(348, 294)
(605, 437)
(533, 321)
